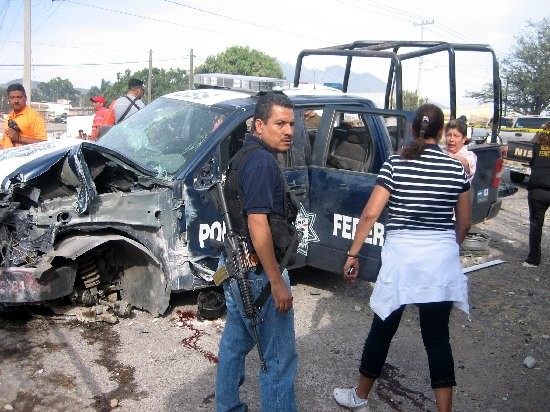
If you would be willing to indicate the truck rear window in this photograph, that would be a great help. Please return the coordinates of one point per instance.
(531, 122)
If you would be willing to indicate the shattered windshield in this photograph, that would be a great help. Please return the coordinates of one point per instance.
(164, 136)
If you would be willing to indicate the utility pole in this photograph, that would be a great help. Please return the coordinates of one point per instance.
(150, 76)
(191, 69)
(421, 59)
(27, 51)
(506, 99)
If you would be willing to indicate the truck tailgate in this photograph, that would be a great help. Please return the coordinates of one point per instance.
(485, 201)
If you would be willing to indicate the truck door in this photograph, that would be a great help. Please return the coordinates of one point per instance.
(202, 216)
(350, 146)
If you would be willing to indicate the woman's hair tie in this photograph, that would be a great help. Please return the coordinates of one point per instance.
(424, 126)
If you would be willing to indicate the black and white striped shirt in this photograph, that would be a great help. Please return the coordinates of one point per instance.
(423, 191)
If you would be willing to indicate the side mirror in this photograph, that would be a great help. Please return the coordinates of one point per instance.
(208, 174)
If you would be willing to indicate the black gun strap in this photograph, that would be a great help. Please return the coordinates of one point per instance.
(132, 103)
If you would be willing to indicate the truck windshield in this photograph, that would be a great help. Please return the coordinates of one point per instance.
(164, 136)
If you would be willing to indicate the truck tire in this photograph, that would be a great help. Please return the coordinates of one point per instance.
(517, 177)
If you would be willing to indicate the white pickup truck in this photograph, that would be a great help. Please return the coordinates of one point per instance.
(523, 128)
(518, 145)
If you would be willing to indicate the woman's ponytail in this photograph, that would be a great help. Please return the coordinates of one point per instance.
(427, 122)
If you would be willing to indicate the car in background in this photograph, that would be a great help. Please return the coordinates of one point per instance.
(61, 118)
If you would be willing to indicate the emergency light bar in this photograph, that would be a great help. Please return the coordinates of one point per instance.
(252, 84)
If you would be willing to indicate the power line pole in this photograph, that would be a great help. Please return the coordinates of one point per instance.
(190, 69)
(150, 76)
(27, 51)
(421, 59)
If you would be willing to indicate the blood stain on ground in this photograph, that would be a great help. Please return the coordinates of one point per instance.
(192, 342)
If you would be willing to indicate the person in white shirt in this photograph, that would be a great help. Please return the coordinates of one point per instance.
(130, 104)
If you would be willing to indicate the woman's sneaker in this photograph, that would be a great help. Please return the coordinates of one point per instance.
(349, 399)
(528, 265)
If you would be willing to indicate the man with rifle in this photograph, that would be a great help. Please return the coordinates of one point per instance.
(260, 241)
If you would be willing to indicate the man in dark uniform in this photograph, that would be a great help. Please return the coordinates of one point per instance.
(263, 189)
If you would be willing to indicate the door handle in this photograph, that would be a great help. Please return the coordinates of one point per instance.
(298, 190)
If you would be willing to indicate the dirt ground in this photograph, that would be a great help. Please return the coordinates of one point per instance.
(53, 362)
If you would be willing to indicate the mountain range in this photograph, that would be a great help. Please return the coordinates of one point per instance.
(359, 82)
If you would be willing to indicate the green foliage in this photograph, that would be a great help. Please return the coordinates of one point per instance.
(411, 100)
(98, 91)
(243, 61)
(162, 82)
(483, 96)
(525, 72)
(56, 89)
(4, 105)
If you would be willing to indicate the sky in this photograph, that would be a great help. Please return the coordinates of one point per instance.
(86, 41)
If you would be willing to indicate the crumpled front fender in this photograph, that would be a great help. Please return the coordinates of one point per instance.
(144, 285)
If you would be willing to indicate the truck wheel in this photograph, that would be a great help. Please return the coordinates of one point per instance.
(517, 177)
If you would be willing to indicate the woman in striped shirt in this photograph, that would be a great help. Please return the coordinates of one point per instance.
(423, 188)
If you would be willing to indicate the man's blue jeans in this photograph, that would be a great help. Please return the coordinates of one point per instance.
(277, 340)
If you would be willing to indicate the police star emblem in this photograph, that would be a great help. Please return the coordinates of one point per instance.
(304, 223)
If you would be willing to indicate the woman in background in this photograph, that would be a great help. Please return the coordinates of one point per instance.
(456, 139)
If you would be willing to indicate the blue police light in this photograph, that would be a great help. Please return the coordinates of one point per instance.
(253, 84)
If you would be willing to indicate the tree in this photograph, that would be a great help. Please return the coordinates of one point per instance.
(525, 72)
(4, 106)
(162, 82)
(56, 89)
(99, 91)
(411, 100)
(242, 60)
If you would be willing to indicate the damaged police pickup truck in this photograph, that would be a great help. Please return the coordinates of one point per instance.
(128, 218)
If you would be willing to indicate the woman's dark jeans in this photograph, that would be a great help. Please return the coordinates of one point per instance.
(538, 201)
(434, 326)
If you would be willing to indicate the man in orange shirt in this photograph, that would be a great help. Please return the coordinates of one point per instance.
(99, 103)
(23, 125)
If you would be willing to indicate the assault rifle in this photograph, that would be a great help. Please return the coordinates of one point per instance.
(238, 262)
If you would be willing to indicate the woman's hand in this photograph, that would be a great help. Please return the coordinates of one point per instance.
(351, 269)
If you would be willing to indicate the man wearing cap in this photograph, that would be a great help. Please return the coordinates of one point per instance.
(125, 106)
(23, 125)
(130, 104)
(99, 103)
